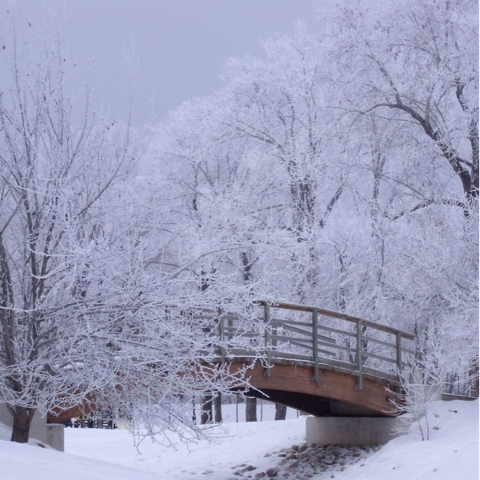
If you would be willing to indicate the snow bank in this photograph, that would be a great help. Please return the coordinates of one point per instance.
(450, 454)
(229, 445)
(27, 462)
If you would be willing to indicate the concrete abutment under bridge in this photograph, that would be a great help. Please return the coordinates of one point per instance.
(345, 431)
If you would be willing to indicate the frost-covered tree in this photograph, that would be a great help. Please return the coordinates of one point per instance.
(358, 150)
(84, 315)
(407, 77)
(417, 63)
(278, 106)
(54, 176)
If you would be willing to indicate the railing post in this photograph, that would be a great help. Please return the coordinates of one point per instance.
(359, 385)
(315, 344)
(399, 353)
(267, 372)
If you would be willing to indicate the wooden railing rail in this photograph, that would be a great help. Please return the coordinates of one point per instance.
(333, 314)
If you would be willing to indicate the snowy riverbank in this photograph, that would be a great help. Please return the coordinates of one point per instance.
(450, 454)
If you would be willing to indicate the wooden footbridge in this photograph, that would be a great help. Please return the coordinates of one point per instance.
(323, 362)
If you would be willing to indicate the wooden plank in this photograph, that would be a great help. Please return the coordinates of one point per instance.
(336, 330)
(326, 352)
(301, 331)
(339, 347)
(292, 322)
(380, 342)
(241, 352)
(239, 334)
(307, 347)
(378, 357)
(307, 342)
(300, 356)
(306, 333)
(292, 356)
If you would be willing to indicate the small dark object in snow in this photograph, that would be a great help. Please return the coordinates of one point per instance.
(272, 472)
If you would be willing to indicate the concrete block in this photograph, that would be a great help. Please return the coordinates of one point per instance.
(5, 416)
(38, 429)
(56, 436)
(350, 430)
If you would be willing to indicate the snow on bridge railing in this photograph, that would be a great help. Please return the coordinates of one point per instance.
(312, 334)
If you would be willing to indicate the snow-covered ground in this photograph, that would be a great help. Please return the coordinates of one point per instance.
(450, 454)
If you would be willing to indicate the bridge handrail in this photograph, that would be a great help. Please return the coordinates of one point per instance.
(361, 352)
(289, 338)
(334, 314)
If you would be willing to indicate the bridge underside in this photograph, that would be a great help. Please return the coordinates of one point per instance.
(334, 394)
(291, 383)
(312, 404)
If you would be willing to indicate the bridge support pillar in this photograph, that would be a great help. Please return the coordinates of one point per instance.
(350, 430)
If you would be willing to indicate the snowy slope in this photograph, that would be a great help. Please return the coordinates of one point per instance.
(229, 445)
(26, 462)
(450, 454)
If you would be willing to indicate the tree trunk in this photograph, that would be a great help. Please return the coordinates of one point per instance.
(280, 411)
(207, 409)
(217, 401)
(194, 412)
(22, 420)
(251, 409)
(475, 388)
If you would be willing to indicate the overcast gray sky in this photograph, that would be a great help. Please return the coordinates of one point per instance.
(181, 45)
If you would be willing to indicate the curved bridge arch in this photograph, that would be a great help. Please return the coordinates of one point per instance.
(334, 394)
